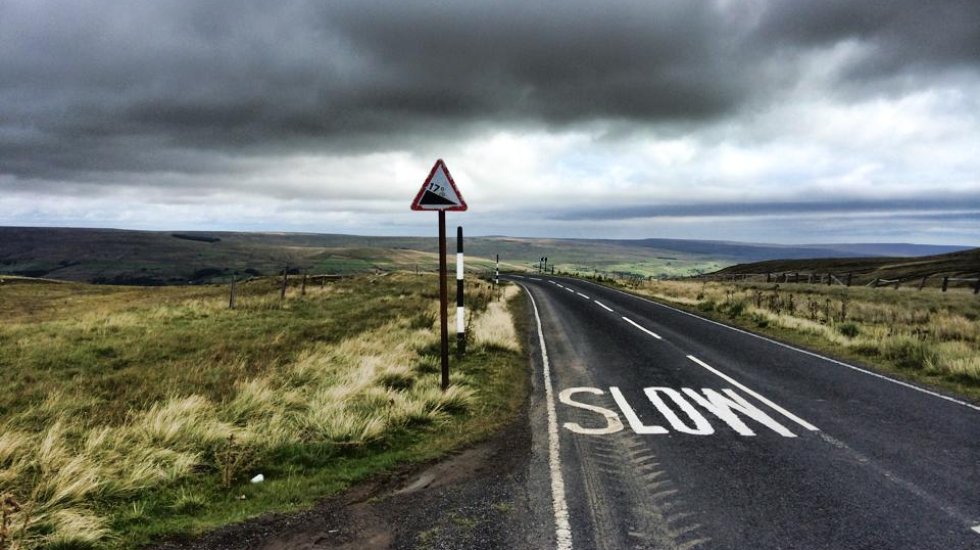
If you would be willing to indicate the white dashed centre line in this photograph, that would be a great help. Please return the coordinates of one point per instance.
(650, 332)
(570, 290)
(560, 285)
(976, 529)
(602, 305)
(768, 403)
(583, 295)
(534, 279)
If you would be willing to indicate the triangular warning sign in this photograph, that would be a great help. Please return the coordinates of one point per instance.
(439, 191)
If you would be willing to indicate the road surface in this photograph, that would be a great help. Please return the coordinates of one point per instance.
(654, 428)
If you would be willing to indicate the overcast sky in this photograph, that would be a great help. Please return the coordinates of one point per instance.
(824, 121)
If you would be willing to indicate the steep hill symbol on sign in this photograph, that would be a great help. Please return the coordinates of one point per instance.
(439, 191)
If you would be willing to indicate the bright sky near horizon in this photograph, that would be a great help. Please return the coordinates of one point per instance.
(773, 121)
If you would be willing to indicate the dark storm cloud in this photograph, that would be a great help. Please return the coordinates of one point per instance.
(902, 37)
(90, 88)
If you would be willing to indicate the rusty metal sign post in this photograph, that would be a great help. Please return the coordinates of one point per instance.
(439, 193)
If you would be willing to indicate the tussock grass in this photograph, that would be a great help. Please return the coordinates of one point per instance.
(926, 336)
(146, 414)
(496, 326)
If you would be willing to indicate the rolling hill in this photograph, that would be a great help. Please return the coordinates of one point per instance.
(964, 263)
(179, 257)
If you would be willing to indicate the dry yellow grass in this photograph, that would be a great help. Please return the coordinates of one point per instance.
(927, 332)
(351, 392)
(496, 326)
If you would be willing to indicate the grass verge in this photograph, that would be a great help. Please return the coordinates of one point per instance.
(923, 337)
(131, 414)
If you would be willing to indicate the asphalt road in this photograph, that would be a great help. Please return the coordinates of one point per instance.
(653, 428)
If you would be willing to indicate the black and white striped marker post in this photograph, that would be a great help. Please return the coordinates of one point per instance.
(460, 309)
(496, 273)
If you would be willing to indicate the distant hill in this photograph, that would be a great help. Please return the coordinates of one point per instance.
(757, 252)
(180, 257)
(965, 263)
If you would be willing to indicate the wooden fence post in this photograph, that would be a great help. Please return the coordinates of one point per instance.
(849, 279)
(285, 281)
(945, 283)
(231, 298)
(768, 277)
(976, 286)
(923, 282)
(302, 288)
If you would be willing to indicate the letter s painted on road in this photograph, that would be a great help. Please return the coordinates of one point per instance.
(613, 424)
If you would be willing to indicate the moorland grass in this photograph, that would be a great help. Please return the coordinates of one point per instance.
(132, 413)
(924, 336)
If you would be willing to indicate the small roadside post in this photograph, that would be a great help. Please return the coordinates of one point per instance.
(439, 193)
(460, 308)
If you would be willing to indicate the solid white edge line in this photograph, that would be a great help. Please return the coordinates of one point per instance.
(803, 351)
(650, 332)
(563, 530)
(769, 403)
(602, 305)
(583, 295)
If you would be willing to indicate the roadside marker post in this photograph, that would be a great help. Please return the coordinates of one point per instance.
(460, 308)
(439, 193)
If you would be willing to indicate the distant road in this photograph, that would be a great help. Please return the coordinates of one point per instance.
(660, 429)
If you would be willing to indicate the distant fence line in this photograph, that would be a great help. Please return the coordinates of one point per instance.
(843, 279)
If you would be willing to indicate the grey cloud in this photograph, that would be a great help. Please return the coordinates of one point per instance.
(97, 87)
(902, 38)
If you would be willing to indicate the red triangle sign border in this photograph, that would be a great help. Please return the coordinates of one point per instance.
(416, 204)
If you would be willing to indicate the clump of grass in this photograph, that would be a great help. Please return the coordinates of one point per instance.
(908, 352)
(850, 330)
(188, 502)
(234, 459)
(424, 320)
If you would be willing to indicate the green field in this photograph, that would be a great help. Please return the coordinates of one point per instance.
(131, 413)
